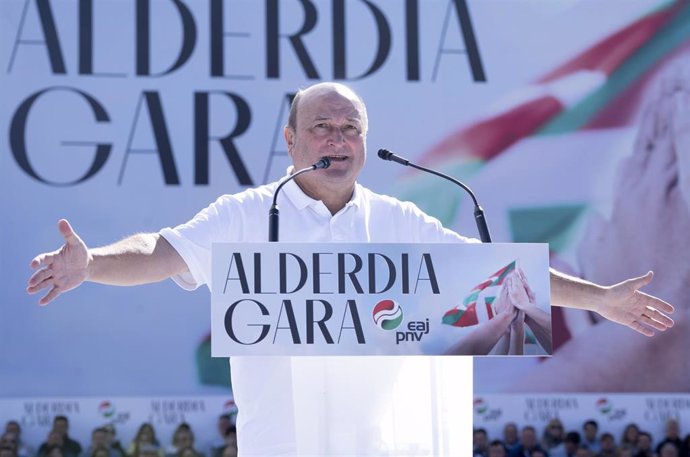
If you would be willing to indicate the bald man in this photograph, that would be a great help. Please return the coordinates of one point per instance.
(327, 205)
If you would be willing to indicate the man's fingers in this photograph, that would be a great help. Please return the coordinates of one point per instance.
(659, 317)
(653, 323)
(50, 296)
(641, 328)
(656, 303)
(41, 285)
(39, 276)
(43, 260)
(67, 232)
(640, 281)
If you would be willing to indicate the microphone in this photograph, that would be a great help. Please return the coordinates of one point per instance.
(274, 212)
(483, 229)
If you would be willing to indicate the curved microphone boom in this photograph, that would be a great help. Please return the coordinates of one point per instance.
(274, 212)
(483, 229)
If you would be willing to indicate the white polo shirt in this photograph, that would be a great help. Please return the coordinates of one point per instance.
(263, 386)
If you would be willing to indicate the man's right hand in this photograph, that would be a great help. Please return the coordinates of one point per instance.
(60, 270)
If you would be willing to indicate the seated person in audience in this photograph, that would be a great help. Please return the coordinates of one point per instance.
(480, 443)
(607, 446)
(183, 440)
(99, 439)
(7, 451)
(218, 444)
(528, 442)
(590, 439)
(510, 436)
(498, 449)
(668, 449)
(116, 449)
(146, 435)
(9, 441)
(23, 449)
(55, 443)
(61, 425)
(570, 444)
(230, 438)
(644, 445)
(553, 435)
(630, 435)
(672, 436)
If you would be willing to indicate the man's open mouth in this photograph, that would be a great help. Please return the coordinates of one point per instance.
(337, 158)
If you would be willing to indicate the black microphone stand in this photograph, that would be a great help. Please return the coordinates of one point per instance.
(479, 218)
(274, 212)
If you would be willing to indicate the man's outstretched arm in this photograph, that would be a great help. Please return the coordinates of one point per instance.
(139, 259)
(622, 303)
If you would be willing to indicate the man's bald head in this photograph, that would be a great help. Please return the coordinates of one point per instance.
(321, 89)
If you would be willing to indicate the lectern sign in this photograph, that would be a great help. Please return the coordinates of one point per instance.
(379, 299)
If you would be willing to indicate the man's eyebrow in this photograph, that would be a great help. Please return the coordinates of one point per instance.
(328, 118)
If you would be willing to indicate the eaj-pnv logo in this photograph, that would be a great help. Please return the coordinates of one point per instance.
(388, 315)
(106, 409)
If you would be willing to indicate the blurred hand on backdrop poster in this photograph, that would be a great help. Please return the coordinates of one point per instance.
(650, 219)
(648, 228)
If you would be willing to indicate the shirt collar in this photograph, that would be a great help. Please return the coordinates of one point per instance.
(301, 200)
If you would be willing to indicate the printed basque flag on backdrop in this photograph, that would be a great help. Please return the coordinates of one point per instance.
(468, 314)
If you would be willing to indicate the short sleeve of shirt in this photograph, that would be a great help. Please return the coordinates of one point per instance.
(193, 240)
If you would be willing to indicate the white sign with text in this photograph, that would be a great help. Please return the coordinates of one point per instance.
(370, 299)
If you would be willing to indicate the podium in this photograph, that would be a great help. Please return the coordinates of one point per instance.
(360, 299)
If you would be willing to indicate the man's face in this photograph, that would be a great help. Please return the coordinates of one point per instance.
(13, 427)
(590, 432)
(672, 429)
(496, 451)
(184, 440)
(510, 433)
(223, 424)
(98, 438)
(60, 426)
(480, 440)
(330, 123)
(607, 444)
(528, 438)
(643, 442)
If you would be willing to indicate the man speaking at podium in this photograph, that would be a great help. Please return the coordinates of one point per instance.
(326, 205)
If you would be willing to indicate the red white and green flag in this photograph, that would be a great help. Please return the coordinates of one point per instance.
(600, 87)
(480, 299)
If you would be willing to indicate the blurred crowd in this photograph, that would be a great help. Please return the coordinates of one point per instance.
(589, 441)
(105, 442)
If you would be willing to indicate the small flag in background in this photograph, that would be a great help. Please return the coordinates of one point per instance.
(467, 314)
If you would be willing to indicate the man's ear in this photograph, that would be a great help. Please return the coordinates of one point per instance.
(289, 139)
